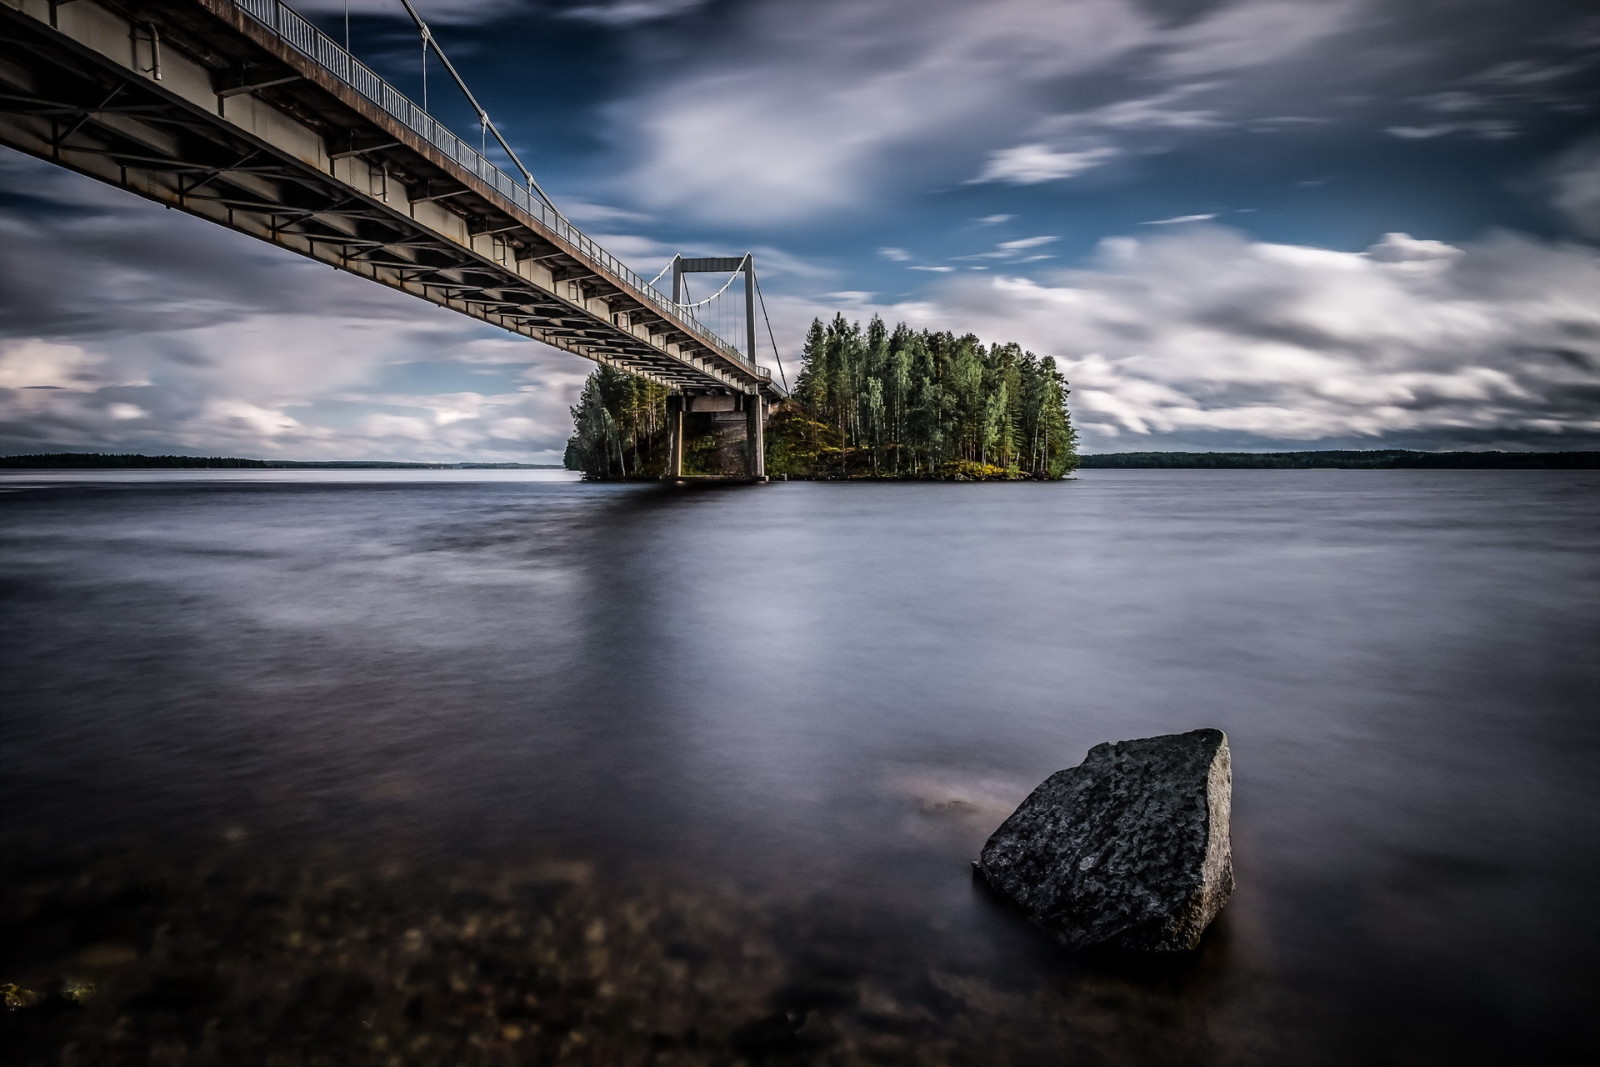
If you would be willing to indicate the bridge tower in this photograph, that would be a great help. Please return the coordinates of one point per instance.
(701, 399)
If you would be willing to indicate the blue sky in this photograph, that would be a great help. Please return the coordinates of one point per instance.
(1237, 223)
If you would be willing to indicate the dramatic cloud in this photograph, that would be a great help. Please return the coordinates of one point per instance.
(1205, 338)
(202, 340)
(910, 156)
(804, 110)
(807, 111)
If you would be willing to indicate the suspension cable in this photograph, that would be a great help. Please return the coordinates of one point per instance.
(428, 41)
(770, 336)
(716, 294)
(663, 274)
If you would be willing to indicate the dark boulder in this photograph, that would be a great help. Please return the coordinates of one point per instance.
(1127, 850)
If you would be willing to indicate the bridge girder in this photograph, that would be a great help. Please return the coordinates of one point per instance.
(231, 124)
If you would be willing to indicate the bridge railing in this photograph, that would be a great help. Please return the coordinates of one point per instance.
(300, 34)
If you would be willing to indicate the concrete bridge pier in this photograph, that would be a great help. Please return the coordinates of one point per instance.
(724, 409)
(755, 444)
(675, 406)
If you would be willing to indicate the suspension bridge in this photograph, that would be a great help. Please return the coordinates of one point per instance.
(245, 113)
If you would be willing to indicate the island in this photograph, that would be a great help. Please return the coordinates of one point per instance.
(870, 403)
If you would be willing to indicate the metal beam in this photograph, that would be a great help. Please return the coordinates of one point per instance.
(351, 152)
(239, 90)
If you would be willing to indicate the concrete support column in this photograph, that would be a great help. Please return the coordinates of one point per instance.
(750, 305)
(675, 405)
(755, 414)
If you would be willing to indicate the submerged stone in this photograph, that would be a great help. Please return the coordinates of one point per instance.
(16, 998)
(1128, 850)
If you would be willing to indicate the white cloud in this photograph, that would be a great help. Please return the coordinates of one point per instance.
(1026, 242)
(1402, 248)
(583, 211)
(1146, 112)
(994, 220)
(1030, 164)
(1419, 133)
(235, 415)
(1202, 337)
(898, 255)
(1253, 34)
(38, 364)
(630, 12)
(1176, 219)
(1013, 251)
(1483, 129)
(936, 270)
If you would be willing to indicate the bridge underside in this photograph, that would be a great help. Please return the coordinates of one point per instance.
(195, 105)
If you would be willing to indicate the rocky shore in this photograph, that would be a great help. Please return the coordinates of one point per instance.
(238, 959)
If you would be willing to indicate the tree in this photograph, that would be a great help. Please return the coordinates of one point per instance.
(875, 403)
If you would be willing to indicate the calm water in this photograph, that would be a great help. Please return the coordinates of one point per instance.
(825, 696)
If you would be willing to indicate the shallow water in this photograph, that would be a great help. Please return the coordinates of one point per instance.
(811, 702)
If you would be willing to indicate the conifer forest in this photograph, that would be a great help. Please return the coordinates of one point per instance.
(868, 403)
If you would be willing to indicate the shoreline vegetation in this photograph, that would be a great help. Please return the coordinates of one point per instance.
(870, 403)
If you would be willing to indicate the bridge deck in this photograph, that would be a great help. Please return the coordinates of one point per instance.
(242, 112)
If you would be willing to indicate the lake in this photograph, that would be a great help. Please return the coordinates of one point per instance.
(501, 767)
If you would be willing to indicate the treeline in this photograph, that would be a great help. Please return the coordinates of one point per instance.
(869, 403)
(906, 404)
(619, 427)
(1350, 459)
(101, 461)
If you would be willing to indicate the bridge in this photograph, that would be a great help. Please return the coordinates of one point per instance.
(245, 113)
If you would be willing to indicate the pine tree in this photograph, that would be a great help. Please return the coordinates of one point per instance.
(876, 402)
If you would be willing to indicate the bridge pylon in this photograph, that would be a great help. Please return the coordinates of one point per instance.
(696, 399)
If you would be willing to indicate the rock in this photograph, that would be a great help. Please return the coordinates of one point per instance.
(1127, 850)
(77, 992)
(16, 998)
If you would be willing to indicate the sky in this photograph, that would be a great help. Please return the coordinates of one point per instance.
(1236, 224)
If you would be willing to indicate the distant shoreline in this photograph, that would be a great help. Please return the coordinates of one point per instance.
(1342, 459)
(134, 461)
